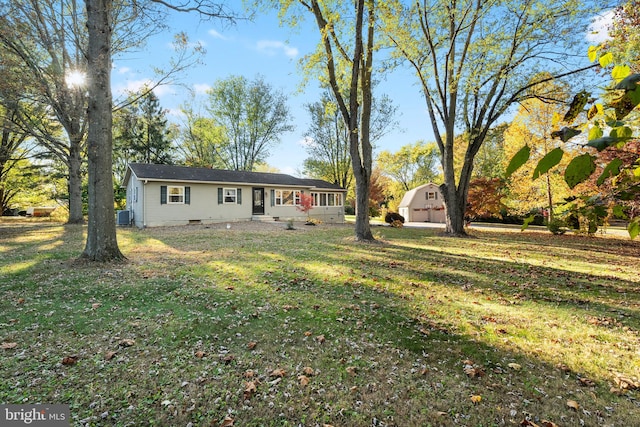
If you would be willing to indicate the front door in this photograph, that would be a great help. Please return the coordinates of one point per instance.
(258, 201)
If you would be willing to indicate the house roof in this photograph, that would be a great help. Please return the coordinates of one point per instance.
(153, 172)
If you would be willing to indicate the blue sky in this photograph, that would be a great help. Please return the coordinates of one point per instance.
(263, 47)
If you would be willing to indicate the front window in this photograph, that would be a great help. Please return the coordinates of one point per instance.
(230, 195)
(176, 195)
(287, 198)
(327, 199)
(432, 196)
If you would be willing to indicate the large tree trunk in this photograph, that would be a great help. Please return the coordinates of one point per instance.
(75, 185)
(455, 205)
(362, 174)
(101, 243)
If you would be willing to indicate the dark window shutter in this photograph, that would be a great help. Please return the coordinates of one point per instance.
(163, 194)
(239, 196)
(187, 195)
(273, 197)
(220, 199)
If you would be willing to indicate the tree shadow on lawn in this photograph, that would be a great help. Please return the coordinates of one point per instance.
(390, 335)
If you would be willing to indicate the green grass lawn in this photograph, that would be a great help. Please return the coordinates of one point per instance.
(208, 326)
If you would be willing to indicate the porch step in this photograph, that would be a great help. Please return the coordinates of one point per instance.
(263, 218)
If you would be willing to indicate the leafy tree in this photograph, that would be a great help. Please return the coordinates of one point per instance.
(344, 59)
(47, 39)
(328, 144)
(485, 198)
(328, 137)
(534, 125)
(101, 244)
(253, 116)
(200, 137)
(474, 60)
(306, 203)
(616, 116)
(625, 35)
(412, 165)
(141, 133)
(12, 151)
(490, 160)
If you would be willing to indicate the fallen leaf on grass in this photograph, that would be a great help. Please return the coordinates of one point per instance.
(126, 343)
(304, 380)
(9, 345)
(96, 305)
(110, 355)
(228, 359)
(250, 388)
(69, 360)
(514, 366)
(249, 373)
(278, 373)
(527, 423)
(21, 300)
(587, 382)
(252, 345)
(308, 334)
(546, 423)
(476, 399)
(308, 371)
(624, 383)
(321, 339)
(351, 370)
(227, 422)
(473, 371)
(573, 404)
(200, 354)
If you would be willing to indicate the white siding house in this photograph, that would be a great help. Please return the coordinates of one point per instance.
(423, 204)
(162, 195)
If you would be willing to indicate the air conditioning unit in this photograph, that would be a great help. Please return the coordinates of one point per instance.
(122, 218)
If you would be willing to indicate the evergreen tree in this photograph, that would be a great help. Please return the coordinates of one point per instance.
(142, 133)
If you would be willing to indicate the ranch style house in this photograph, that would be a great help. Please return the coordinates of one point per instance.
(166, 195)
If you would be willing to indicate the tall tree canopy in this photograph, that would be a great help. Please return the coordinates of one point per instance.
(253, 116)
(474, 59)
(412, 165)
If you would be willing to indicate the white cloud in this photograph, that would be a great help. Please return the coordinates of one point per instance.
(201, 88)
(216, 35)
(273, 47)
(124, 70)
(598, 30)
(133, 86)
